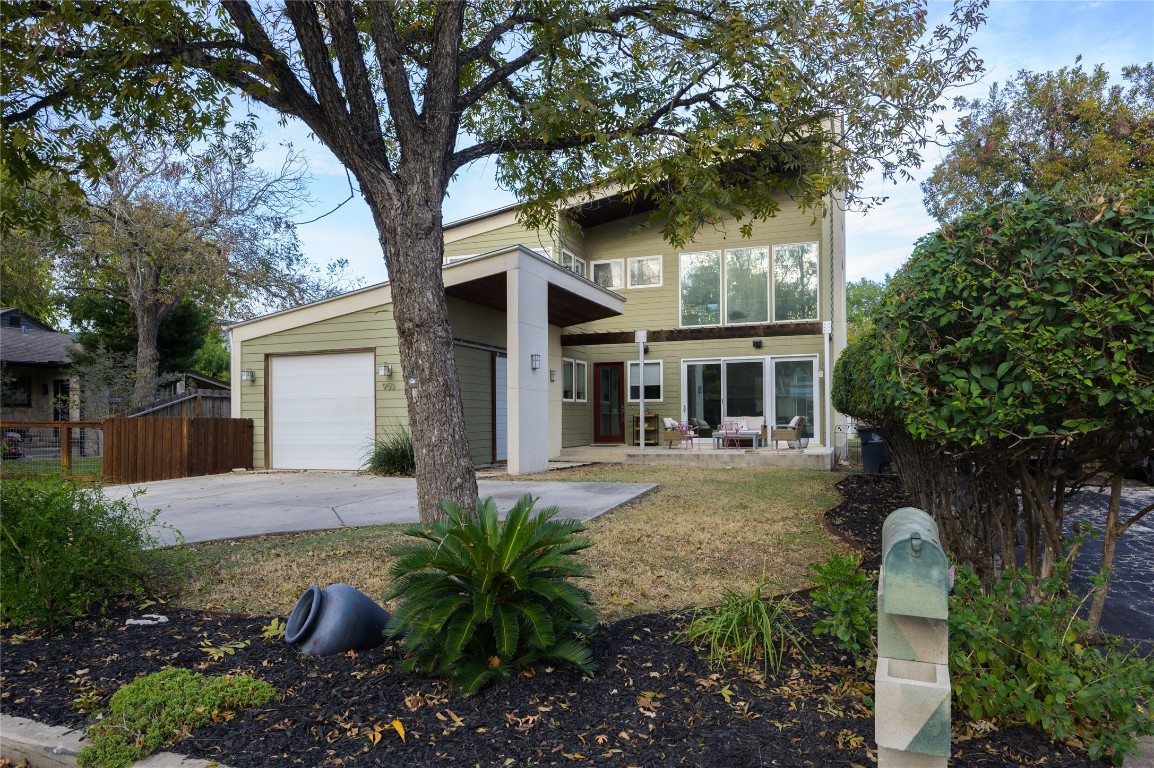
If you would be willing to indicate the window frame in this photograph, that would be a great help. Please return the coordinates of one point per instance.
(18, 394)
(570, 260)
(773, 282)
(593, 272)
(720, 289)
(580, 394)
(660, 271)
(768, 285)
(660, 382)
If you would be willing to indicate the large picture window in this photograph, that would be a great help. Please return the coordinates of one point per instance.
(653, 378)
(746, 285)
(644, 272)
(795, 282)
(573, 380)
(700, 285)
(609, 274)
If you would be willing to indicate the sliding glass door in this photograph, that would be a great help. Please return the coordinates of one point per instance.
(776, 388)
(793, 392)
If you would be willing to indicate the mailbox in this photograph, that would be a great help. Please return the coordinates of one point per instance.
(912, 680)
(915, 574)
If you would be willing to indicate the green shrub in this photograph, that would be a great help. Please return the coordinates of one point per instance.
(849, 598)
(392, 454)
(158, 710)
(747, 628)
(1016, 657)
(481, 599)
(65, 549)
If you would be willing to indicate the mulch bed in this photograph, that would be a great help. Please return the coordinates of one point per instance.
(653, 702)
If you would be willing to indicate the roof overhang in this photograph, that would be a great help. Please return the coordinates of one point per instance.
(480, 280)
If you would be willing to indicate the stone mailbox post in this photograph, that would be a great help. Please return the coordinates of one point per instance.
(912, 682)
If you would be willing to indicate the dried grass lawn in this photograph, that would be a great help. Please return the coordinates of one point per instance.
(700, 532)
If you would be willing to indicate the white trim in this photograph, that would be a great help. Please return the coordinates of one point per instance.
(583, 379)
(660, 381)
(773, 283)
(720, 290)
(593, 273)
(570, 260)
(660, 271)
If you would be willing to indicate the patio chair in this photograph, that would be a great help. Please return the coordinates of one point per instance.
(673, 433)
(730, 433)
(688, 433)
(793, 431)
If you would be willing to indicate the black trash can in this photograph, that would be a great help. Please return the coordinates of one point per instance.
(875, 456)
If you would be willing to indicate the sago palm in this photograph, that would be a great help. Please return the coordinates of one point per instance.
(480, 599)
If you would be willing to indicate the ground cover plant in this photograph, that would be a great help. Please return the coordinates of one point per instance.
(654, 700)
(392, 454)
(157, 710)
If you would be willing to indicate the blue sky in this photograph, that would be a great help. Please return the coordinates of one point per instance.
(1036, 35)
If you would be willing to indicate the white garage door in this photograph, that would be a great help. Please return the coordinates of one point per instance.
(323, 410)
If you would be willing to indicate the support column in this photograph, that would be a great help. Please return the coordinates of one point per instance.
(527, 334)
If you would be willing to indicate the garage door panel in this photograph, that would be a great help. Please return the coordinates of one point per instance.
(322, 410)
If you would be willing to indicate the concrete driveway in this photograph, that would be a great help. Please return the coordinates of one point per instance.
(254, 503)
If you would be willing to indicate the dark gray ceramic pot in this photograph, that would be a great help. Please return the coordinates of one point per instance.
(336, 619)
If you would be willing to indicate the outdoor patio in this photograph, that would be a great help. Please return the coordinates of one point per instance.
(702, 454)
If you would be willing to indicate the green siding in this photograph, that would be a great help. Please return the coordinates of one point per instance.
(512, 234)
(475, 374)
(369, 329)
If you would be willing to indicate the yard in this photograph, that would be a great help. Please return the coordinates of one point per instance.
(654, 699)
(700, 532)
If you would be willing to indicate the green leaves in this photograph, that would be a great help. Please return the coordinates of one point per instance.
(480, 599)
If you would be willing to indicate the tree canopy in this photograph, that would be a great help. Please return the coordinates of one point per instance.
(1040, 129)
(862, 300)
(710, 108)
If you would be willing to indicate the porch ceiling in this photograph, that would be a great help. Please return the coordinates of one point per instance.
(565, 307)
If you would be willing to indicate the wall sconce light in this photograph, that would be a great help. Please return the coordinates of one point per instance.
(647, 349)
(552, 375)
(535, 361)
(757, 343)
(384, 369)
(247, 375)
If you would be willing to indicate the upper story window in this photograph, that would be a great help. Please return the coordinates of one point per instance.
(644, 272)
(609, 273)
(795, 282)
(573, 262)
(701, 288)
(734, 287)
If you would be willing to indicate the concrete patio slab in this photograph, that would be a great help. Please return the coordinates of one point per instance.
(244, 504)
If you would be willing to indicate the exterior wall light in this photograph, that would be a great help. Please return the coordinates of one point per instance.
(552, 375)
(247, 375)
(757, 343)
(384, 369)
(535, 361)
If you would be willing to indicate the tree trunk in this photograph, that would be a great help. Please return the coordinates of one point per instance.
(147, 356)
(412, 239)
(1109, 540)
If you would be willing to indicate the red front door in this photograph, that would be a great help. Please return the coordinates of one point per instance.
(608, 402)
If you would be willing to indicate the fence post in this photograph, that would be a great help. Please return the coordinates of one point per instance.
(66, 450)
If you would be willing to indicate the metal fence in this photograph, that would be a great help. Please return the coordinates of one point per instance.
(71, 448)
(846, 447)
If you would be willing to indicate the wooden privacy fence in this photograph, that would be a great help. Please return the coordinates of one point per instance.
(141, 449)
(196, 403)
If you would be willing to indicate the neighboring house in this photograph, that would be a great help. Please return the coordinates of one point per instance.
(37, 382)
(545, 328)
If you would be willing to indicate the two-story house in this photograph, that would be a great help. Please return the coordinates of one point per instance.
(546, 338)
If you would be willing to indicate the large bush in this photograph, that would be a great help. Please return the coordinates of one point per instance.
(65, 549)
(481, 599)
